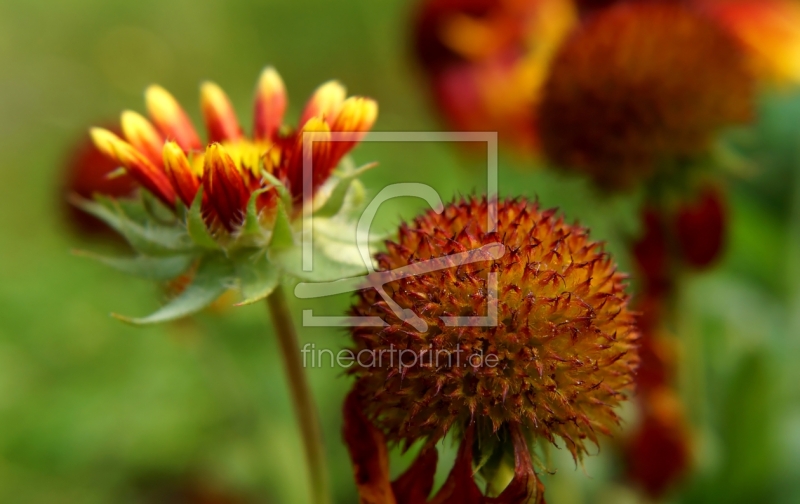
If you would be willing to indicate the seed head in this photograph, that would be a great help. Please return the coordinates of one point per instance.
(561, 356)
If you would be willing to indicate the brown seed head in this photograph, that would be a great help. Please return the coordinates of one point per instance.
(560, 358)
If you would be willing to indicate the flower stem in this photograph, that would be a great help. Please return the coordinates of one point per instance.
(303, 403)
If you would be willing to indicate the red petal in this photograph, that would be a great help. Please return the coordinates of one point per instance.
(369, 455)
(219, 115)
(137, 165)
(525, 487)
(225, 187)
(415, 485)
(324, 103)
(270, 105)
(142, 135)
(460, 487)
(170, 118)
(180, 172)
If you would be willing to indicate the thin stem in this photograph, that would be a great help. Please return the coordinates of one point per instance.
(304, 406)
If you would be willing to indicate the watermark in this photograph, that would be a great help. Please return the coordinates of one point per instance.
(379, 279)
(399, 358)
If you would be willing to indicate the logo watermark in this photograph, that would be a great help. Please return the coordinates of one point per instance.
(392, 357)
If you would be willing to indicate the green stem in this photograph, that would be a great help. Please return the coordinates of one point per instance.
(304, 406)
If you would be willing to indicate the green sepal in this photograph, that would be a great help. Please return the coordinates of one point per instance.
(213, 278)
(196, 226)
(339, 192)
(251, 229)
(155, 210)
(147, 238)
(282, 233)
(149, 268)
(257, 277)
(283, 192)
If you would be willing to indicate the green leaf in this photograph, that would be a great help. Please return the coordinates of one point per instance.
(150, 268)
(197, 226)
(213, 278)
(147, 238)
(258, 278)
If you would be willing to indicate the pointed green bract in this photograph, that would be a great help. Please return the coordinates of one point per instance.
(150, 268)
(283, 192)
(252, 232)
(214, 276)
(282, 234)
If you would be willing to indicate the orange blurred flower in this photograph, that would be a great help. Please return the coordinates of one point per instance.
(486, 61)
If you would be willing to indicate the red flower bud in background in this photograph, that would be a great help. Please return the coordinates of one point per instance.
(700, 228)
(659, 453)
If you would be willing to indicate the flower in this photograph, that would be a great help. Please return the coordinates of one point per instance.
(229, 169)
(558, 360)
(640, 89)
(231, 210)
(486, 60)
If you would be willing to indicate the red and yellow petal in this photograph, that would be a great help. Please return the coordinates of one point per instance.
(141, 134)
(219, 115)
(225, 189)
(325, 102)
(270, 105)
(311, 149)
(170, 118)
(180, 173)
(138, 166)
(354, 120)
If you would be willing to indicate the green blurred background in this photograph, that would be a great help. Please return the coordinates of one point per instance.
(94, 411)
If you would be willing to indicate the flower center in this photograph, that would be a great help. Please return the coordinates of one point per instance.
(246, 154)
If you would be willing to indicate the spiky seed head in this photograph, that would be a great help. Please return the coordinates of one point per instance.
(559, 360)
